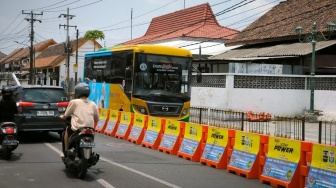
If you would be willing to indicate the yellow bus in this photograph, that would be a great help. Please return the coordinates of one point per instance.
(152, 80)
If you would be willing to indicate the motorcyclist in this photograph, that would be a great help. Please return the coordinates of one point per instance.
(8, 107)
(83, 112)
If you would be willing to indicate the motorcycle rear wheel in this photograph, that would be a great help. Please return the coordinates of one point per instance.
(83, 163)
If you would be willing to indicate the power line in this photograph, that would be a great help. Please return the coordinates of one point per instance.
(32, 50)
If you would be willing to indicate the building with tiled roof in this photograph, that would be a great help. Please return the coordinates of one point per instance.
(52, 61)
(272, 38)
(21, 56)
(2, 55)
(189, 28)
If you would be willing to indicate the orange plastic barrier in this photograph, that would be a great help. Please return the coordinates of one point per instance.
(322, 170)
(172, 136)
(153, 134)
(138, 129)
(248, 148)
(193, 142)
(283, 162)
(125, 125)
(215, 151)
(112, 124)
(104, 115)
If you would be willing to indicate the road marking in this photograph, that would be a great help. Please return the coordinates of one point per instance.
(103, 182)
(140, 173)
(91, 174)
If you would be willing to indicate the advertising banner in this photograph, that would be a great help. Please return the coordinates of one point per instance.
(138, 125)
(99, 93)
(245, 150)
(172, 131)
(217, 139)
(102, 118)
(125, 121)
(322, 171)
(112, 121)
(282, 159)
(153, 129)
(192, 137)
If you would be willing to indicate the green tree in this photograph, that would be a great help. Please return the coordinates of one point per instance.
(94, 34)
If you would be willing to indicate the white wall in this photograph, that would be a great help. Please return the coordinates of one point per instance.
(85, 48)
(275, 101)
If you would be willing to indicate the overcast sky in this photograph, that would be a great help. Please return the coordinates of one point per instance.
(113, 17)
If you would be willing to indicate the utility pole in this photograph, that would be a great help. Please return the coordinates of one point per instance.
(32, 50)
(76, 57)
(131, 21)
(68, 48)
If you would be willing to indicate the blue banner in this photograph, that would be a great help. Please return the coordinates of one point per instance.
(319, 178)
(242, 160)
(135, 132)
(189, 146)
(213, 152)
(99, 94)
(279, 169)
(168, 141)
(151, 136)
(122, 129)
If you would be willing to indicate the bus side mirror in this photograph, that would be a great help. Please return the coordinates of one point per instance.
(128, 72)
(199, 78)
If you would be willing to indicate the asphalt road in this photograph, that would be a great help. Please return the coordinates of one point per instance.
(36, 163)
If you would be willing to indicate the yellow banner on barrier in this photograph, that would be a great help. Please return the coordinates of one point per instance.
(217, 136)
(103, 113)
(154, 124)
(139, 120)
(172, 127)
(113, 115)
(323, 157)
(126, 118)
(247, 142)
(284, 149)
(193, 131)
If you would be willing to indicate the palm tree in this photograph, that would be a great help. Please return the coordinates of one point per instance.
(94, 34)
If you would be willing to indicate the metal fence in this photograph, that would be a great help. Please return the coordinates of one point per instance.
(327, 132)
(260, 123)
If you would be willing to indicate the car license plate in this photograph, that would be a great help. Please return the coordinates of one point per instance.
(9, 142)
(87, 144)
(45, 113)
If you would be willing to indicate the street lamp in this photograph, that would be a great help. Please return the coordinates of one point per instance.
(313, 37)
(31, 62)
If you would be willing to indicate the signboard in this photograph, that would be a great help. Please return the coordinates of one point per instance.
(245, 150)
(217, 140)
(282, 159)
(125, 121)
(322, 172)
(102, 118)
(75, 68)
(192, 137)
(138, 125)
(172, 131)
(153, 129)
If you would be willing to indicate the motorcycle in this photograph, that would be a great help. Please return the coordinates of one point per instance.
(8, 139)
(79, 156)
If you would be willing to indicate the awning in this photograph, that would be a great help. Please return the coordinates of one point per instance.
(276, 51)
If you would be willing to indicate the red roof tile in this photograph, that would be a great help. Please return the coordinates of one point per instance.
(196, 22)
(22, 53)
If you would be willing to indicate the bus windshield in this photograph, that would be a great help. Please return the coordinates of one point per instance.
(161, 75)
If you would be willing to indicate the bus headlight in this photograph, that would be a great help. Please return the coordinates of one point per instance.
(141, 109)
(185, 112)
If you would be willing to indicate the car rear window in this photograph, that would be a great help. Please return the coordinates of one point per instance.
(43, 95)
